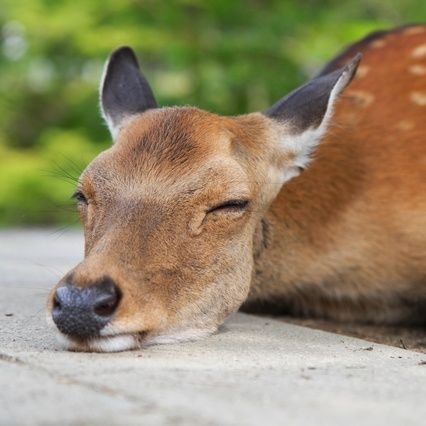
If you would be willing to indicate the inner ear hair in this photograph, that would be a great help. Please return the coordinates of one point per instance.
(305, 114)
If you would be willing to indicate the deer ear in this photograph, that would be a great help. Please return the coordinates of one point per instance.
(124, 90)
(305, 114)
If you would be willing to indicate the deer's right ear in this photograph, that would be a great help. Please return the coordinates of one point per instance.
(304, 116)
(124, 90)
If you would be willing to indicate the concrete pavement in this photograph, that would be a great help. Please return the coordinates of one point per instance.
(256, 371)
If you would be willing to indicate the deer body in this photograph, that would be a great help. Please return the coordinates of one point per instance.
(189, 215)
(347, 239)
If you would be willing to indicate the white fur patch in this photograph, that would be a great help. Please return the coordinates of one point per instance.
(419, 51)
(118, 343)
(125, 342)
(121, 342)
(418, 98)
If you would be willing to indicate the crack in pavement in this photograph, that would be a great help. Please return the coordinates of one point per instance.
(9, 358)
(141, 406)
(66, 379)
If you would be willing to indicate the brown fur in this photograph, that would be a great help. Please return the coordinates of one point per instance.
(350, 233)
(345, 240)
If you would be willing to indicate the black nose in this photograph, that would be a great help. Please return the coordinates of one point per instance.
(83, 312)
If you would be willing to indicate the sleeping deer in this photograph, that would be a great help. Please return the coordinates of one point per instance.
(315, 207)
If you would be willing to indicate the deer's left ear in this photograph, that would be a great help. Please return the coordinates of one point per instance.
(124, 90)
(305, 113)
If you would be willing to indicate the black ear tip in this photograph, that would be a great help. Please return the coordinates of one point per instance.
(354, 62)
(351, 67)
(124, 54)
(358, 57)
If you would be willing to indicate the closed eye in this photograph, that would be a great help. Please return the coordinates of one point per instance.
(79, 197)
(229, 206)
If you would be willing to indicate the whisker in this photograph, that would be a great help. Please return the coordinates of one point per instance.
(78, 168)
(60, 172)
(55, 272)
(58, 233)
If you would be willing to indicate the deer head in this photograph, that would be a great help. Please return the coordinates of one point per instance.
(172, 211)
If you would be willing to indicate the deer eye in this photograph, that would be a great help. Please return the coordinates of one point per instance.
(229, 206)
(79, 197)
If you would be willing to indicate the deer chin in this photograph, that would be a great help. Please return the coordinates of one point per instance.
(130, 341)
(117, 343)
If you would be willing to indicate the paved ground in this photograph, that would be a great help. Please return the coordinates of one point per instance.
(257, 371)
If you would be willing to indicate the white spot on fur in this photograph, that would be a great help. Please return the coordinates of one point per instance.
(414, 30)
(419, 51)
(378, 44)
(362, 98)
(362, 71)
(418, 98)
(417, 69)
(405, 125)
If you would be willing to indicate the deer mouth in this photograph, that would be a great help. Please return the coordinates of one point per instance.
(116, 339)
(129, 341)
(111, 343)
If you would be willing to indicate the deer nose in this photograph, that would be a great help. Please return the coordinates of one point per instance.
(83, 311)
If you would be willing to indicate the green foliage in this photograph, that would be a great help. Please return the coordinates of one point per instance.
(226, 56)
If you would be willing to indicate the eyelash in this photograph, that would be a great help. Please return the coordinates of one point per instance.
(79, 197)
(231, 205)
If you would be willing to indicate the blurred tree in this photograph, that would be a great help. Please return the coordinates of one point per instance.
(226, 56)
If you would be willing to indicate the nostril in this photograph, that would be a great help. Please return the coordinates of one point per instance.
(106, 304)
(106, 307)
(56, 302)
(60, 298)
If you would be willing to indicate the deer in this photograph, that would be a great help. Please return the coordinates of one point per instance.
(315, 207)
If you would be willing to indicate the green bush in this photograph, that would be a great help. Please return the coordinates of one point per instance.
(37, 184)
(226, 56)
